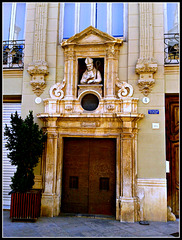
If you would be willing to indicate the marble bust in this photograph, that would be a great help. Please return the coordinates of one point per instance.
(91, 75)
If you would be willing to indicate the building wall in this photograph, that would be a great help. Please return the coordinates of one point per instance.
(151, 157)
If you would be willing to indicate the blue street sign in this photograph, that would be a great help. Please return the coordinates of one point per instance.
(153, 111)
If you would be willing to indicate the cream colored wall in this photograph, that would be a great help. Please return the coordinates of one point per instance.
(52, 49)
(52, 46)
(172, 79)
(151, 143)
(12, 82)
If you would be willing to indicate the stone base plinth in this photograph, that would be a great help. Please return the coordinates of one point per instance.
(50, 206)
(128, 209)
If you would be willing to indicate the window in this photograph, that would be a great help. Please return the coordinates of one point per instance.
(13, 21)
(13, 34)
(171, 32)
(107, 17)
(171, 15)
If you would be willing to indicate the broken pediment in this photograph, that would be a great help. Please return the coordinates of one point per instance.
(91, 36)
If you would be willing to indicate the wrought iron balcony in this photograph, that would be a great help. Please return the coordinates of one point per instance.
(171, 48)
(13, 54)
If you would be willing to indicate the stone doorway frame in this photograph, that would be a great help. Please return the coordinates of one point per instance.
(123, 129)
(115, 116)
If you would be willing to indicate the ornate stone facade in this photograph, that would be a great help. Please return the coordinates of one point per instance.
(115, 117)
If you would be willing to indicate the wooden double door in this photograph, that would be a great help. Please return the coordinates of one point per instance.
(89, 176)
(172, 151)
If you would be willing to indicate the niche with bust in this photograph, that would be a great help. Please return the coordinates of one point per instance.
(90, 74)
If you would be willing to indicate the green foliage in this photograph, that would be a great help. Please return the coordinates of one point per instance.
(25, 142)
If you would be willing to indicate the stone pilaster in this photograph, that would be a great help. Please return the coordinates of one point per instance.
(49, 206)
(128, 198)
(146, 65)
(38, 69)
(69, 75)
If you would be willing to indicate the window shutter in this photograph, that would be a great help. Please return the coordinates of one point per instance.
(8, 169)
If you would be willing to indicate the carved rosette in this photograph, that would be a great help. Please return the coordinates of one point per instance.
(125, 89)
(146, 68)
(38, 70)
(56, 91)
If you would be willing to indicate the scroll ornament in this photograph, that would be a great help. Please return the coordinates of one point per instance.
(125, 91)
(56, 91)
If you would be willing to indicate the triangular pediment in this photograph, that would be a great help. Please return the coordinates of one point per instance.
(92, 36)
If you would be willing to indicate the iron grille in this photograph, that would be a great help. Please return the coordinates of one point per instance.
(13, 54)
(171, 48)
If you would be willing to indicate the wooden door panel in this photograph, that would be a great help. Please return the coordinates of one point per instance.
(102, 167)
(88, 165)
(75, 164)
(172, 151)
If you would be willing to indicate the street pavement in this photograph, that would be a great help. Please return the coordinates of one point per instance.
(86, 227)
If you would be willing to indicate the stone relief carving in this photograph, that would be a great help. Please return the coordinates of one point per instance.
(145, 85)
(91, 75)
(126, 90)
(146, 68)
(56, 91)
(38, 70)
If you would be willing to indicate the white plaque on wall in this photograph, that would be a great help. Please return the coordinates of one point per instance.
(145, 100)
(38, 100)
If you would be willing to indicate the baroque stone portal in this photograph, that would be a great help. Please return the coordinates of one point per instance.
(114, 116)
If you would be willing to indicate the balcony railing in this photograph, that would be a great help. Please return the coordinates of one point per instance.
(171, 48)
(13, 54)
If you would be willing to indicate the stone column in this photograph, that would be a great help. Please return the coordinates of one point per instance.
(49, 206)
(128, 198)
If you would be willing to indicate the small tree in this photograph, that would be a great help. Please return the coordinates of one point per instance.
(25, 142)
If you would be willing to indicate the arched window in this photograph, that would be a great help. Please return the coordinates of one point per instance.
(107, 17)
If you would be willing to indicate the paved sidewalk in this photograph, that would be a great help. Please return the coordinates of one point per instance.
(85, 227)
